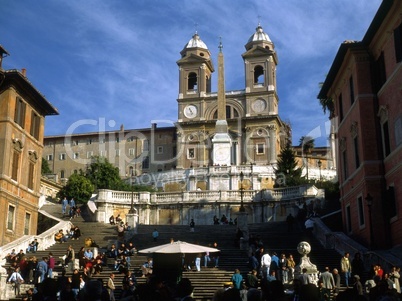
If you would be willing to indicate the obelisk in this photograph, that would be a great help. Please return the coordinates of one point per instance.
(221, 141)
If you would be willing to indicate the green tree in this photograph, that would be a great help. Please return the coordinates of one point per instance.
(78, 187)
(45, 167)
(103, 175)
(287, 172)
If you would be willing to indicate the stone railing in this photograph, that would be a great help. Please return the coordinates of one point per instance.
(342, 243)
(45, 239)
(277, 194)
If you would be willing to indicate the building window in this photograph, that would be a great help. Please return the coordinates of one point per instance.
(390, 205)
(131, 151)
(90, 154)
(340, 106)
(15, 165)
(159, 150)
(62, 174)
(345, 165)
(360, 209)
(62, 157)
(385, 139)
(380, 75)
(398, 43)
(10, 217)
(76, 155)
(192, 82)
(27, 224)
(102, 153)
(351, 90)
(348, 220)
(31, 175)
(145, 145)
(356, 149)
(49, 157)
(117, 152)
(145, 163)
(35, 125)
(259, 75)
(89, 141)
(19, 114)
(260, 148)
(102, 140)
(117, 139)
(231, 112)
(75, 142)
(191, 153)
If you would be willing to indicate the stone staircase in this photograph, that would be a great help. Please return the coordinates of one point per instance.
(274, 235)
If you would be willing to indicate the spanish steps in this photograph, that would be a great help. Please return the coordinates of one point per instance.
(275, 236)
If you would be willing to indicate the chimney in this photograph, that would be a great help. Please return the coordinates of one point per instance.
(24, 72)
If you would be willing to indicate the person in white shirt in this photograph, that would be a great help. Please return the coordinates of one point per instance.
(17, 279)
(265, 264)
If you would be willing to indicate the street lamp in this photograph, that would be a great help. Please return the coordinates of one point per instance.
(319, 163)
(242, 209)
(369, 202)
(131, 211)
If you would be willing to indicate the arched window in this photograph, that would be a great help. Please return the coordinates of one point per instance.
(231, 112)
(131, 171)
(62, 174)
(258, 75)
(192, 82)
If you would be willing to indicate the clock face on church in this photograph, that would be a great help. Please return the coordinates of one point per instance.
(190, 111)
(259, 105)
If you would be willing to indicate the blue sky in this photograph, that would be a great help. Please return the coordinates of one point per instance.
(114, 62)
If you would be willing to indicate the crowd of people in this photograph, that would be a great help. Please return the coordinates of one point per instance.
(70, 208)
(272, 277)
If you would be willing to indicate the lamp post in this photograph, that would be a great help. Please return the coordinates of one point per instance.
(242, 209)
(131, 211)
(369, 202)
(319, 163)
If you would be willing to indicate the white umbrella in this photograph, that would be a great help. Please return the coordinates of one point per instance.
(178, 247)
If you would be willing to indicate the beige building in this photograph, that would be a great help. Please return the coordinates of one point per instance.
(134, 152)
(22, 118)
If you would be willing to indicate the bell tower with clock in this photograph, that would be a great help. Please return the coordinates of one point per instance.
(195, 69)
(260, 61)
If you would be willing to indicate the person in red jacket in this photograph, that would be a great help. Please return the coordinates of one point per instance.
(50, 265)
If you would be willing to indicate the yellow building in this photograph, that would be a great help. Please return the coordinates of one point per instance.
(22, 118)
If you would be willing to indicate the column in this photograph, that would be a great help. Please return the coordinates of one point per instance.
(272, 142)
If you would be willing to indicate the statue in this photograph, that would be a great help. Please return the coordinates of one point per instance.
(304, 249)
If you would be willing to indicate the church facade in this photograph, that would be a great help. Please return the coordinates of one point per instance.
(254, 129)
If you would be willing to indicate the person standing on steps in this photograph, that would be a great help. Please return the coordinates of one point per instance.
(192, 225)
(64, 204)
(50, 265)
(346, 268)
(72, 208)
(155, 235)
(111, 287)
(16, 279)
(41, 270)
(215, 255)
